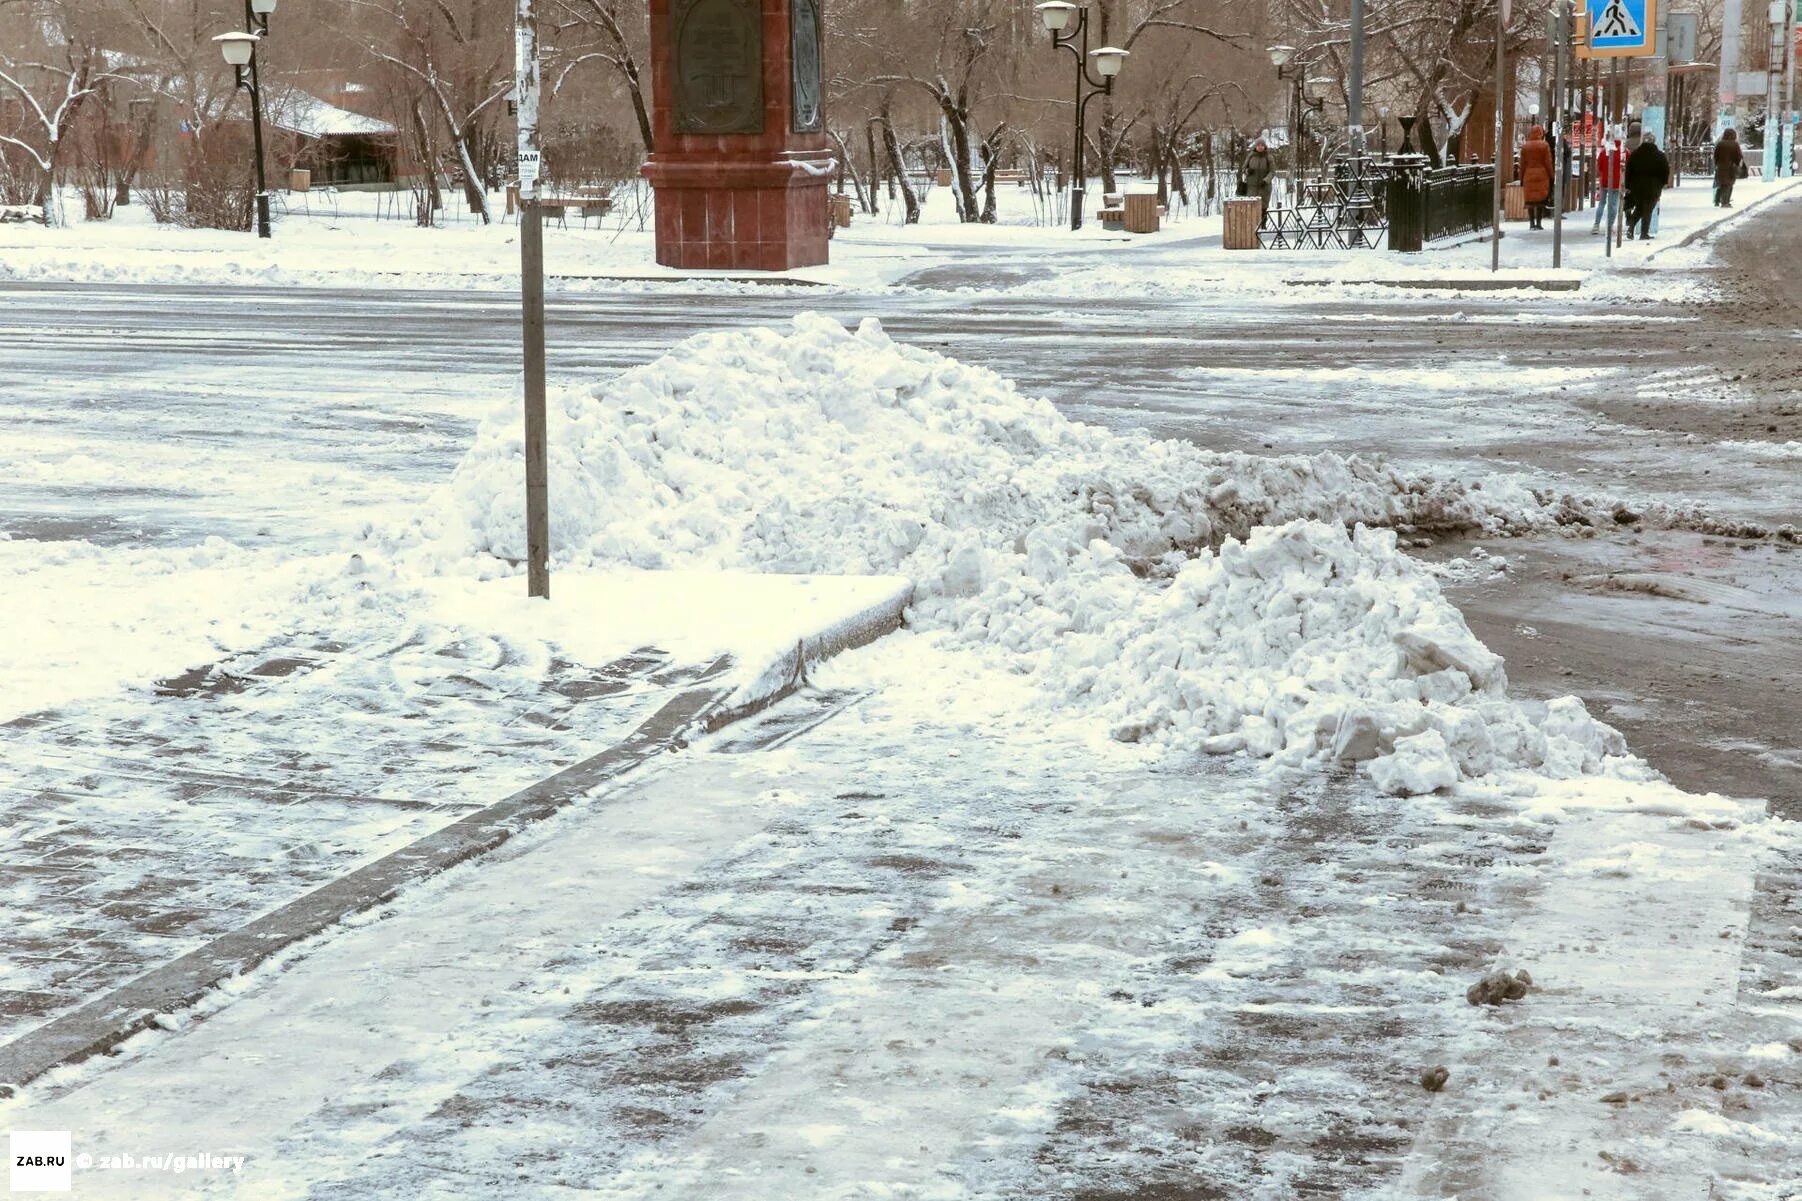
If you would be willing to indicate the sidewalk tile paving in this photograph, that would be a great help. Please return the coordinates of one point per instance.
(134, 829)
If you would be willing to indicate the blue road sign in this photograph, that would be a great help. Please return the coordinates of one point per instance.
(1623, 27)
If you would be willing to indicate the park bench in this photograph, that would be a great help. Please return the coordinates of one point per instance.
(1113, 211)
(590, 203)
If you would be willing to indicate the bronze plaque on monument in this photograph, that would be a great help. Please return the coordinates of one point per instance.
(804, 44)
(718, 47)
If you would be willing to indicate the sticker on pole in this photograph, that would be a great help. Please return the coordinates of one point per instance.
(528, 168)
(1622, 28)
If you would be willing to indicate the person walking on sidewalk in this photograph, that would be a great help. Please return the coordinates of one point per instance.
(1610, 162)
(1648, 173)
(1727, 158)
(1536, 175)
(1257, 171)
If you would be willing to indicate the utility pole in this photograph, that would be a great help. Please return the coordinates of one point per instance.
(1501, 56)
(1355, 81)
(1560, 125)
(1773, 89)
(531, 265)
(1729, 77)
(1609, 116)
(1789, 85)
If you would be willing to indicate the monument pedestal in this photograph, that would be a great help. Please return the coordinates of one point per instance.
(742, 163)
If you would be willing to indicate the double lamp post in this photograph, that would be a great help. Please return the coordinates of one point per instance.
(1295, 71)
(240, 50)
(1057, 14)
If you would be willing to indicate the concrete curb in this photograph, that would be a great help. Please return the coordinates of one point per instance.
(789, 674)
(103, 1023)
(1448, 285)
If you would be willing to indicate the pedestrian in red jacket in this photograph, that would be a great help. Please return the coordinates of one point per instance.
(1610, 163)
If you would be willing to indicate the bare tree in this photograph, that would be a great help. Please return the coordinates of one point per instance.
(608, 32)
(457, 54)
(51, 62)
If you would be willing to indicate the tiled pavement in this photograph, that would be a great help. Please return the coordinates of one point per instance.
(135, 829)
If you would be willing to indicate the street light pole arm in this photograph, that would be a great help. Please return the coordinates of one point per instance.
(1082, 106)
(1076, 41)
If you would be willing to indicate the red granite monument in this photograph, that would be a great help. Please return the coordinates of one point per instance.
(742, 163)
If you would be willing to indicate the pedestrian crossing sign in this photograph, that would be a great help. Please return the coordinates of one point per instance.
(1622, 28)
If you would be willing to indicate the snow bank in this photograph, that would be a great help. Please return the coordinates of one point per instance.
(1189, 600)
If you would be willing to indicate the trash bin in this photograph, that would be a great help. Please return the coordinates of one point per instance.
(300, 179)
(1240, 232)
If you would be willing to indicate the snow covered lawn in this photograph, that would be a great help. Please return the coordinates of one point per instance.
(325, 241)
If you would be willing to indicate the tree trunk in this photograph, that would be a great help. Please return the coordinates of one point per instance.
(635, 88)
(473, 192)
(1155, 151)
(846, 166)
(47, 189)
(988, 184)
(869, 140)
(957, 125)
(898, 167)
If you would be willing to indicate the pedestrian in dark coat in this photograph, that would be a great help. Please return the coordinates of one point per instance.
(1727, 159)
(1257, 172)
(1648, 173)
(1536, 174)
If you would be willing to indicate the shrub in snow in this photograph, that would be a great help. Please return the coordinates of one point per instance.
(1191, 600)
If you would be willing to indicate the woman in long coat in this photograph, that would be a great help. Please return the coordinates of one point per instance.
(1727, 158)
(1257, 171)
(1536, 174)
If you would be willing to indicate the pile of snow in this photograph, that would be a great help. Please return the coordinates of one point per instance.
(1189, 600)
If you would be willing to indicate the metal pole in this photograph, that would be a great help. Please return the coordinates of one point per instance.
(1614, 72)
(1501, 54)
(1354, 99)
(1789, 86)
(1079, 183)
(531, 263)
(1295, 144)
(1773, 119)
(1786, 132)
(1729, 77)
(1561, 46)
(256, 133)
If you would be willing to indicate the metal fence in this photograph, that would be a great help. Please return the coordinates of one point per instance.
(1457, 200)
(1427, 204)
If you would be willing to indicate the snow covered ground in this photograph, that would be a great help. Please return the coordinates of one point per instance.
(1155, 859)
(951, 945)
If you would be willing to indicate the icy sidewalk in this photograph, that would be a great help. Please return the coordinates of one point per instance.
(147, 825)
(935, 948)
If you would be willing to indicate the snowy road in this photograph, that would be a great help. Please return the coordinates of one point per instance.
(287, 419)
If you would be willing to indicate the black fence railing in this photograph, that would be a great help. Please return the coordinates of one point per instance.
(1427, 204)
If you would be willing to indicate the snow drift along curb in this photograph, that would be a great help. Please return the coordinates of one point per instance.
(1190, 601)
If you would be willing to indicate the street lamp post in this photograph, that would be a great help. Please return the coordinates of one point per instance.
(240, 50)
(1296, 72)
(1108, 60)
